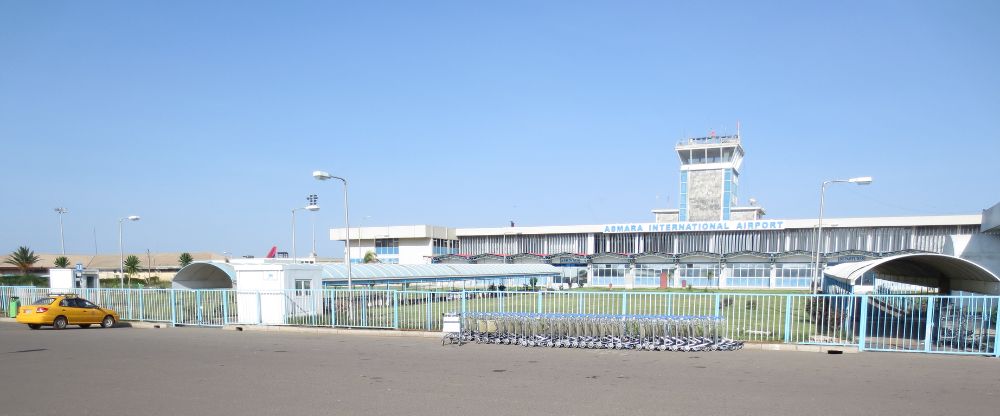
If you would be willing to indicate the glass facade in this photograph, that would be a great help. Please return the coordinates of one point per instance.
(728, 193)
(698, 274)
(604, 274)
(387, 246)
(443, 246)
(684, 196)
(794, 275)
(648, 274)
(756, 275)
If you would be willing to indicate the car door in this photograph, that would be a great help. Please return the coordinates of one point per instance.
(67, 308)
(90, 312)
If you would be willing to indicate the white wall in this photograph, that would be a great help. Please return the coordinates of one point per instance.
(415, 250)
(61, 279)
(982, 249)
(254, 308)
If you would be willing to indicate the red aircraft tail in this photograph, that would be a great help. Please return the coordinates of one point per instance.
(274, 250)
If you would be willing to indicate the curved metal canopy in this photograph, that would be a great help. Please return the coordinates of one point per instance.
(923, 269)
(205, 275)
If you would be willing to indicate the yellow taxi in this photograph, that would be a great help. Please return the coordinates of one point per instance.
(66, 309)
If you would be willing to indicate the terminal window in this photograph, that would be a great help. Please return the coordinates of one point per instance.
(387, 246)
(444, 246)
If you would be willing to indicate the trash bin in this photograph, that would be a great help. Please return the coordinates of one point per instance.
(15, 304)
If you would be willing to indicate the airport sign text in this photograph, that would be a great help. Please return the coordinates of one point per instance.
(670, 227)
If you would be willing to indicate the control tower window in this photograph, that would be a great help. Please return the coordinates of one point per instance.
(685, 157)
(713, 155)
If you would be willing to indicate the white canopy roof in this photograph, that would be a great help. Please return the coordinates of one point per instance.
(923, 269)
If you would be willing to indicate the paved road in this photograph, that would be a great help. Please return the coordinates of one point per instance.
(192, 371)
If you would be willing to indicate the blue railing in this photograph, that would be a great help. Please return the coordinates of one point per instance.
(875, 322)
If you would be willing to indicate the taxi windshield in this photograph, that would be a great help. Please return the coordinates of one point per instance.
(44, 301)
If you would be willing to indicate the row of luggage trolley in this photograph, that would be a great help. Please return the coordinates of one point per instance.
(620, 332)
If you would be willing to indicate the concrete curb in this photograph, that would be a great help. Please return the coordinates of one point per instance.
(121, 324)
(147, 325)
(334, 331)
(803, 348)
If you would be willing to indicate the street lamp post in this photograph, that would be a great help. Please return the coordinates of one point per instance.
(62, 240)
(322, 176)
(121, 248)
(861, 180)
(310, 207)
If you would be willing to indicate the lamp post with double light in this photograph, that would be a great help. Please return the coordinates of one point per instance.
(62, 240)
(121, 247)
(861, 180)
(311, 207)
(323, 176)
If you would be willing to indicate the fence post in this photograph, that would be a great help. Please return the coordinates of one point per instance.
(225, 306)
(929, 325)
(173, 307)
(788, 319)
(364, 308)
(538, 304)
(863, 330)
(464, 296)
(500, 295)
(128, 303)
(260, 316)
(718, 305)
(333, 307)
(395, 309)
(429, 323)
(996, 331)
(142, 305)
(580, 308)
(197, 303)
(624, 303)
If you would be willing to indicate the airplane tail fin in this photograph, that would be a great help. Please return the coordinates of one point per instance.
(274, 250)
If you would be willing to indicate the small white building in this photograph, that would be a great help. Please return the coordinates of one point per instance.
(74, 279)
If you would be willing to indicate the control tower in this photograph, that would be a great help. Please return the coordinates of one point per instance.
(710, 177)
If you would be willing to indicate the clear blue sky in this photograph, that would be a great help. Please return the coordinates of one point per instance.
(207, 118)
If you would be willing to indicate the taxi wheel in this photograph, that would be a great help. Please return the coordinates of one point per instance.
(59, 323)
(108, 322)
(34, 326)
(84, 325)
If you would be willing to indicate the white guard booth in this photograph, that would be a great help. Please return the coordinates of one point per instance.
(271, 293)
(65, 279)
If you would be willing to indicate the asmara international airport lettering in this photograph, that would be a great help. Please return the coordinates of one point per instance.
(694, 226)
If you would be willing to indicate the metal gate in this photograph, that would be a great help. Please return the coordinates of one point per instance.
(931, 324)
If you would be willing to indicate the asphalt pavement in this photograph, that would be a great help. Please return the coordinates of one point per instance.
(201, 371)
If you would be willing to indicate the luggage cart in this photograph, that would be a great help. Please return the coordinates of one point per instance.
(452, 328)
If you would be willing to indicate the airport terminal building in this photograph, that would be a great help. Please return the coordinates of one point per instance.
(708, 241)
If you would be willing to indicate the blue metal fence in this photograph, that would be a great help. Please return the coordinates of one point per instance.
(872, 322)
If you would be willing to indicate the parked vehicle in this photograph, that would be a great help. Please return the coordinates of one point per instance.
(59, 311)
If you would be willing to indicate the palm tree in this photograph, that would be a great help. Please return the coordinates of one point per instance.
(371, 257)
(61, 262)
(132, 264)
(185, 259)
(22, 258)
